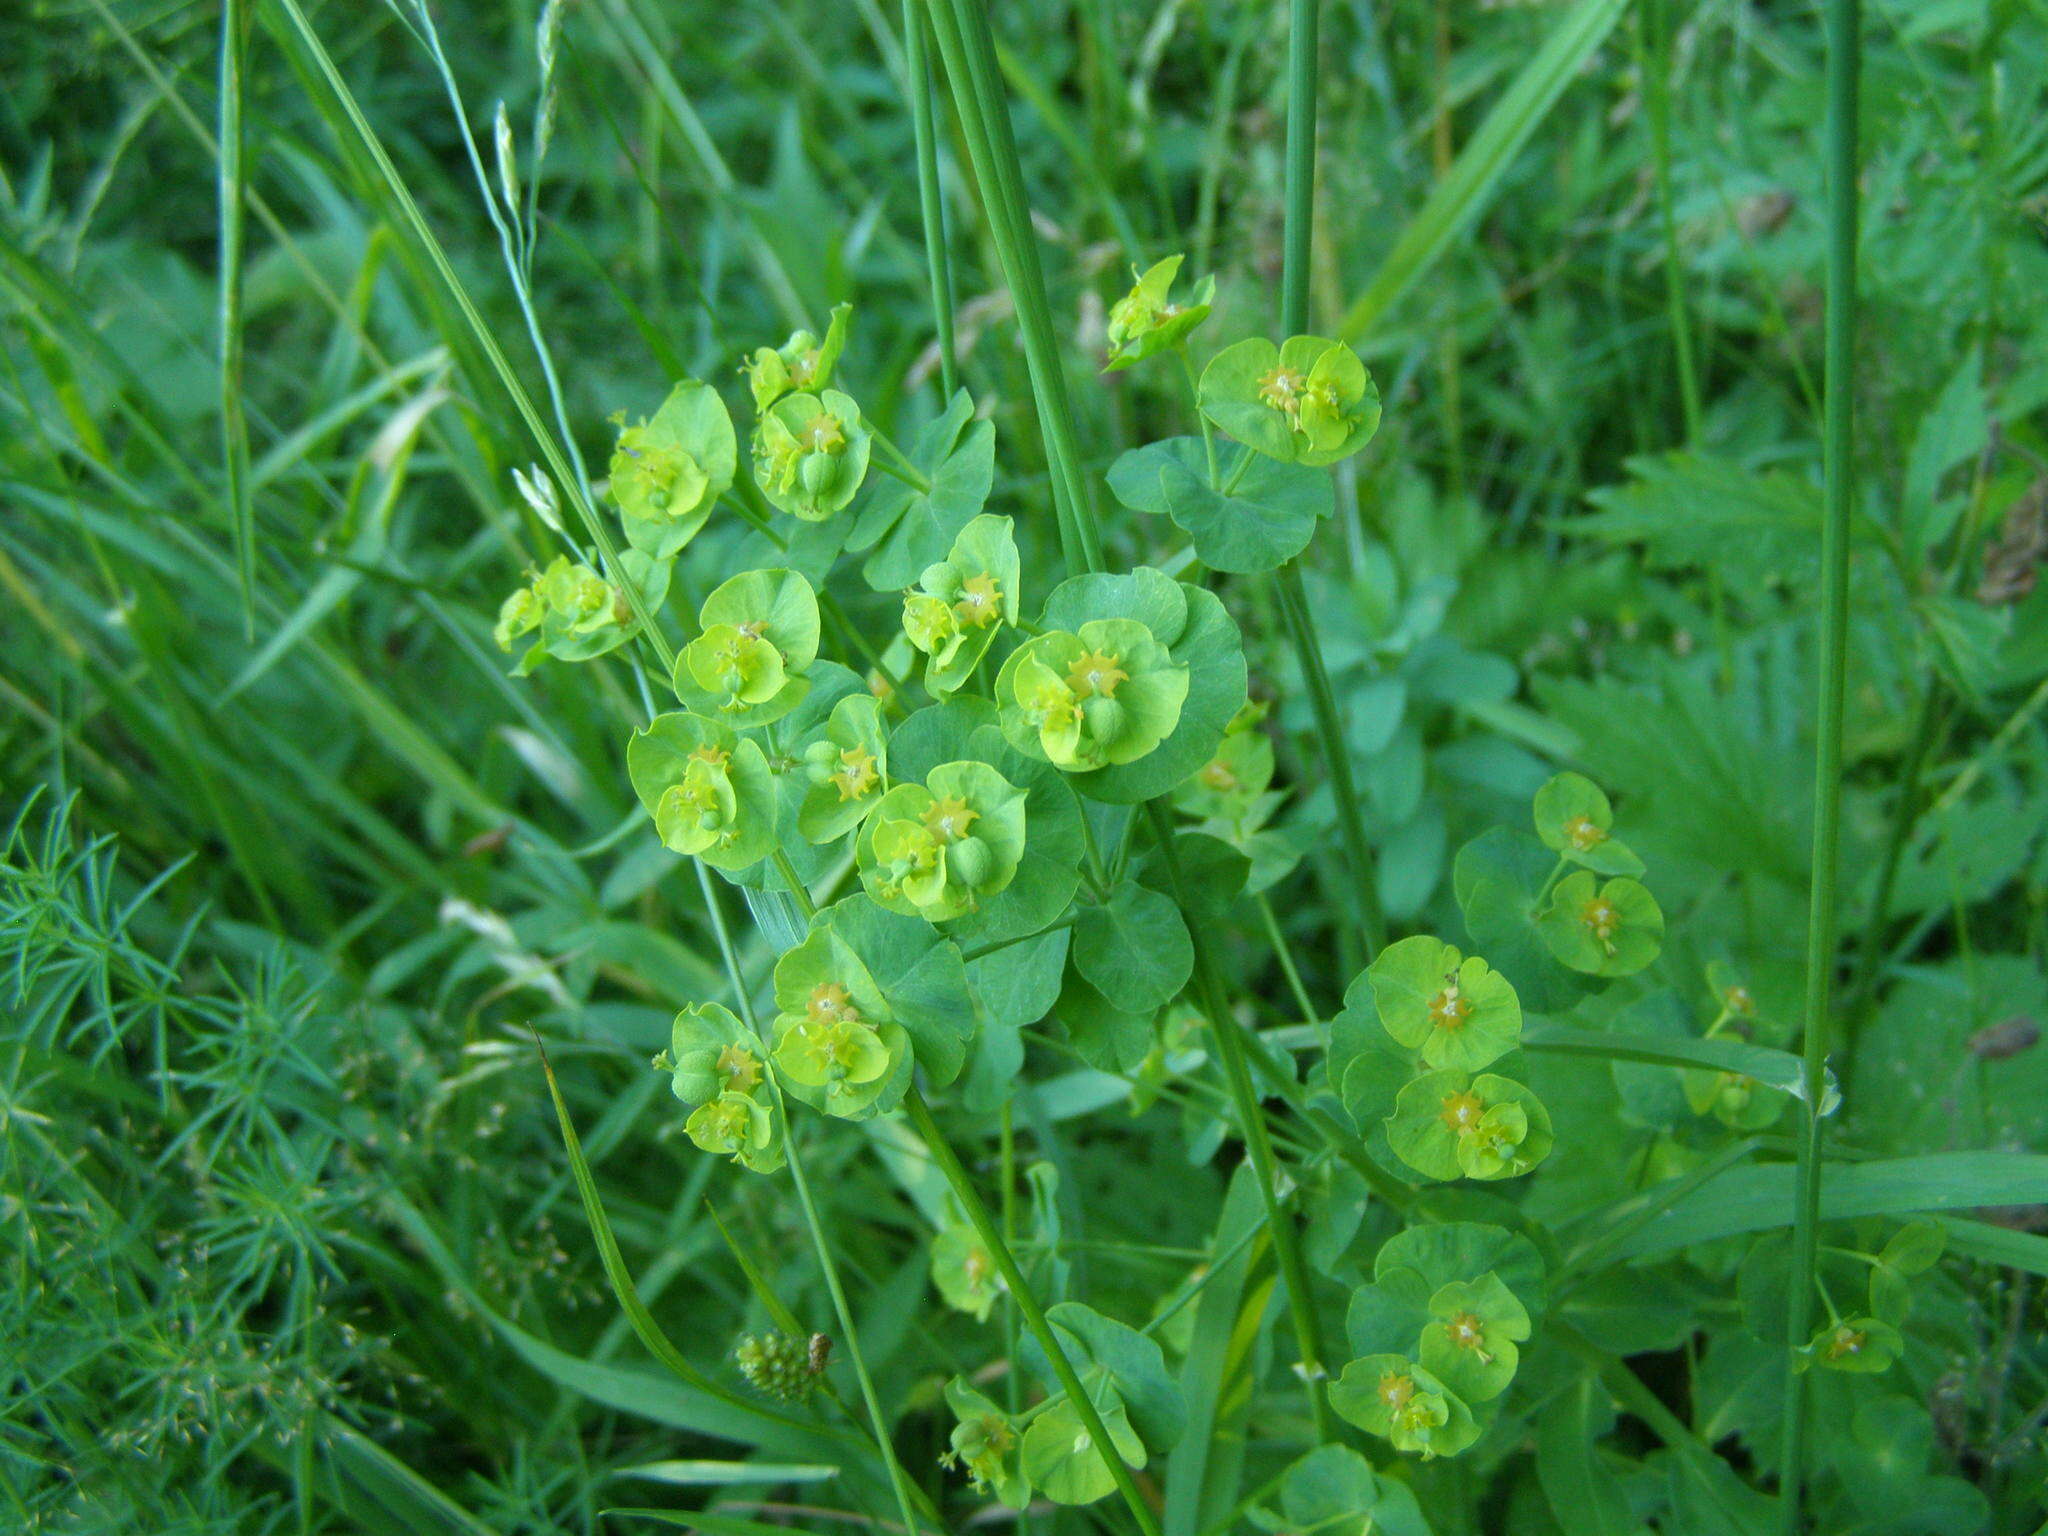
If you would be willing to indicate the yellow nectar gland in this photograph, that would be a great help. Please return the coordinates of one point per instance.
(1096, 673)
(1467, 1332)
(1461, 1111)
(1448, 1010)
(804, 368)
(1582, 834)
(753, 629)
(980, 602)
(949, 819)
(716, 757)
(1739, 999)
(830, 1004)
(1282, 388)
(1846, 1341)
(856, 774)
(740, 1069)
(1395, 1389)
(1217, 775)
(822, 434)
(1602, 919)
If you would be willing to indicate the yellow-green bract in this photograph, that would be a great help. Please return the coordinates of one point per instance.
(1309, 400)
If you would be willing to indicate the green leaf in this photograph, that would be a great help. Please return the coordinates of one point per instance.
(1267, 519)
(910, 528)
(1442, 1252)
(922, 978)
(1581, 1487)
(1780, 1070)
(1134, 948)
(1061, 1460)
(1496, 878)
(1135, 1365)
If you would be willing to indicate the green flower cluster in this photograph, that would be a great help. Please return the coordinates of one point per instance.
(781, 1365)
(1600, 919)
(1147, 321)
(962, 602)
(801, 363)
(1105, 694)
(937, 850)
(1454, 1015)
(836, 1047)
(575, 612)
(758, 634)
(1466, 1352)
(715, 1067)
(1309, 400)
(668, 470)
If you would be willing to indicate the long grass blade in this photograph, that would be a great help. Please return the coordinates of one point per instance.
(1459, 198)
(234, 427)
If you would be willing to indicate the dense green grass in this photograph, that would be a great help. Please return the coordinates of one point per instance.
(299, 875)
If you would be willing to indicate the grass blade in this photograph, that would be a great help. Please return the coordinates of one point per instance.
(1459, 198)
(234, 428)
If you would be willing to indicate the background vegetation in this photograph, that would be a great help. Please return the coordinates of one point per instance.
(298, 872)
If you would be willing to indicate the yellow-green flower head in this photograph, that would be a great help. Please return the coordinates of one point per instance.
(1451, 1010)
(1613, 928)
(1147, 320)
(987, 1443)
(578, 613)
(667, 470)
(811, 453)
(964, 1272)
(835, 1044)
(1470, 1341)
(1859, 1345)
(1406, 1404)
(715, 1066)
(1574, 820)
(760, 634)
(846, 769)
(961, 602)
(1108, 693)
(778, 1365)
(1448, 1124)
(801, 363)
(710, 793)
(938, 850)
(1309, 400)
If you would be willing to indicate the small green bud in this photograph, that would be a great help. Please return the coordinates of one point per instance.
(969, 862)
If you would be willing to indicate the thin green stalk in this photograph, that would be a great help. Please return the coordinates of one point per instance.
(962, 28)
(1359, 895)
(796, 885)
(1301, 164)
(1838, 492)
(917, 43)
(1027, 1302)
(1229, 1038)
(234, 426)
(1656, 72)
(745, 1002)
(1284, 953)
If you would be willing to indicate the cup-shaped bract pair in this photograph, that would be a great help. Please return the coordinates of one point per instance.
(1450, 1124)
(962, 601)
(711, 794)
(836, 1046)
(987, 1442)
(811, 453)
(716, 1067)
(1147, 320)
(1104, 695)
(937, 850)
(1451, 1010)
(1059, 1455)
(668, 469)
(964, 1271)
(1471, 1342)
(1575, 822)
(759, 634)
(846, 769)
(1307, 401)
(1603, 928)
(801, 363)
(1406, 1404)
(577, 614)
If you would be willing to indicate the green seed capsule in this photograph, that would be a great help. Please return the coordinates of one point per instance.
(969, 862)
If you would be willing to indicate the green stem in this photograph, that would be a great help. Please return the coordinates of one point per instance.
(234, 51)
(962, 29)
(1301, 165)
(1359, 895)
(1027, 1302)
(1229, 1038)
(917, 45)
(894, 461)
(1284, 953)
(1838, 492)
(796, 885)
